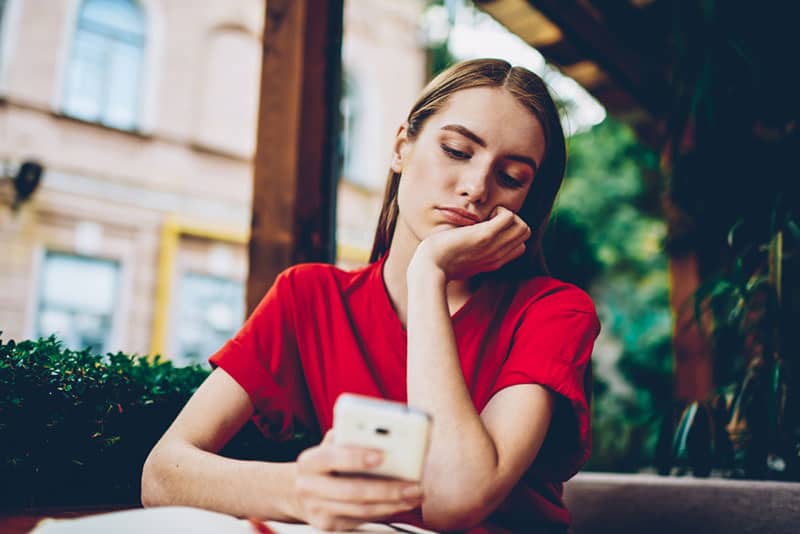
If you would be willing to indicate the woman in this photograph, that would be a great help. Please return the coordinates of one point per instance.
(455, 315)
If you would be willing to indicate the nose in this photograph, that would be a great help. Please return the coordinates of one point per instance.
(474, 186)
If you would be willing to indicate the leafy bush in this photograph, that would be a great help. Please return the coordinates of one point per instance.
(612, 192)
(76, 427)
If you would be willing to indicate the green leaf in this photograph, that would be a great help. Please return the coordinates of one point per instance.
(682, 432)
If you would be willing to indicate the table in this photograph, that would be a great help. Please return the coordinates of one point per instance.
(23, 521)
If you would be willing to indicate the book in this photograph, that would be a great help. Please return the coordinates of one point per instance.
(188, 520)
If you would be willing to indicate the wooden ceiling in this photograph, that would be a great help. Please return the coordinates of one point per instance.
(616, 49)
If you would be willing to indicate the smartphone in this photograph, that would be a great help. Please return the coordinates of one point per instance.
(399, 431)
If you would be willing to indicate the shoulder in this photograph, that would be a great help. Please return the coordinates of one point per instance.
(311, 277)
(546, 302)
(551, 294)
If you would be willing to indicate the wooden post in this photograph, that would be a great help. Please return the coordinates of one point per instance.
(295, 163)
(694, 367)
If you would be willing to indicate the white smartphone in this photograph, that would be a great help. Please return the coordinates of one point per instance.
(399, 431)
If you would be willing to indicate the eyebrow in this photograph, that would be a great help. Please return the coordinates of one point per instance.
(469, 134)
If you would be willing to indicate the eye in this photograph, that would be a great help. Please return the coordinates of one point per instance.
(455, 154)
(509, 181)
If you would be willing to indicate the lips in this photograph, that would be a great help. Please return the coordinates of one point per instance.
(458, 216)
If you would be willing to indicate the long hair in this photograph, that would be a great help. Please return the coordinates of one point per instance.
(531, 92)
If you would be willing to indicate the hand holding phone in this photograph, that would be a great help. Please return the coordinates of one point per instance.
(400, 432)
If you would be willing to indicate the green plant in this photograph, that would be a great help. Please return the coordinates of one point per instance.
(76, 427)
(611, 192)
(750, 427)
(732, 143)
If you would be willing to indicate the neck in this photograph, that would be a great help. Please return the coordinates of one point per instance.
(404, 244)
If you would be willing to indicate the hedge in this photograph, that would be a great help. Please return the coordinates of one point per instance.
(76, 427)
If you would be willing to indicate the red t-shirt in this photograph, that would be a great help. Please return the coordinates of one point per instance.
(321, 331)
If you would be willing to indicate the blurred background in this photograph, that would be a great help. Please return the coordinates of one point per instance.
(128, 132)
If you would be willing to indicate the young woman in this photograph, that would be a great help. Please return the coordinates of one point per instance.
(455, 315)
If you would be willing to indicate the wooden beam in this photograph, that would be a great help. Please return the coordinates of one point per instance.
(295, 163)
(587, 36)
(523, 20)
(588, 33)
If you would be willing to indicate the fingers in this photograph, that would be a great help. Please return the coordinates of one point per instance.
(330, 514)
(501, 219)
(508, 243)
(504, 221)
(468, 250)
(330, 458)
(341, 503)
(336, 502)
(361, 512)
(508, 232)
(319, 519)
(358, 489)
(511, 252)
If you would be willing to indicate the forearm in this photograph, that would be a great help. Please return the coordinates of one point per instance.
(462, 454)
(178, 473)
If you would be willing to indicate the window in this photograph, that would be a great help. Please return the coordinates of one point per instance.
(103, 78)
(211, 310)
(3, 4)
(76, 300)
(349, 138)
(2, 10)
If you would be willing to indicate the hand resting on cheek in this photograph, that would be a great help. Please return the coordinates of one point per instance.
(465, 251)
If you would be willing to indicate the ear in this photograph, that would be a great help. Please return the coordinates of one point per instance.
(401, 146)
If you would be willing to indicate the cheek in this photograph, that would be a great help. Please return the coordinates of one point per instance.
(410, 194)
(419, 182)
(512, 200)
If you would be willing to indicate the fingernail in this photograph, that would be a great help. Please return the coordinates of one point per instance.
(372, 459)
(411, 492)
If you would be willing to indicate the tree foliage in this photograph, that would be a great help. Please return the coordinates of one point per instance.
(612, 191)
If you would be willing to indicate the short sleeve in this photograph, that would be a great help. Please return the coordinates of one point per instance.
(552, 346)
(263, 358)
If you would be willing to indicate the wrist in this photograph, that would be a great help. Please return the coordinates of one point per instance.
(290, 501)
(423, 269)
(425, 276)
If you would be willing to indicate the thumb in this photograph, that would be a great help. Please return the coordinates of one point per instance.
(502, 217)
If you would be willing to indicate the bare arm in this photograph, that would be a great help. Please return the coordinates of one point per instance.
(474, 459)
(183, 467)
(486, 453)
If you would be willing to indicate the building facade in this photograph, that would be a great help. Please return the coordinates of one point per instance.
(143, 116)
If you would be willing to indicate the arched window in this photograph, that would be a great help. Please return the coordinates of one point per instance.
(104, 74)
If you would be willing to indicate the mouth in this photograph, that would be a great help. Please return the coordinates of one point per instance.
(458, 216)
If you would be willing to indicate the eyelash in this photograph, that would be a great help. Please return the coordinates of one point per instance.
(455, 154)
(507, 180)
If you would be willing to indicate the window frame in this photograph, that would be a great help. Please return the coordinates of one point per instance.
(168, 278)
(9, 26)
(45, 250)
(144, 89)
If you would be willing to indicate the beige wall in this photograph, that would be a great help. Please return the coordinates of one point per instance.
(192, 158)
(382, 54)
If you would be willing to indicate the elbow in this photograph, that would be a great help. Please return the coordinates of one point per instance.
(458, 513)
(152, 488)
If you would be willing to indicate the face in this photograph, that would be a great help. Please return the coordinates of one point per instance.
(480, 151)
